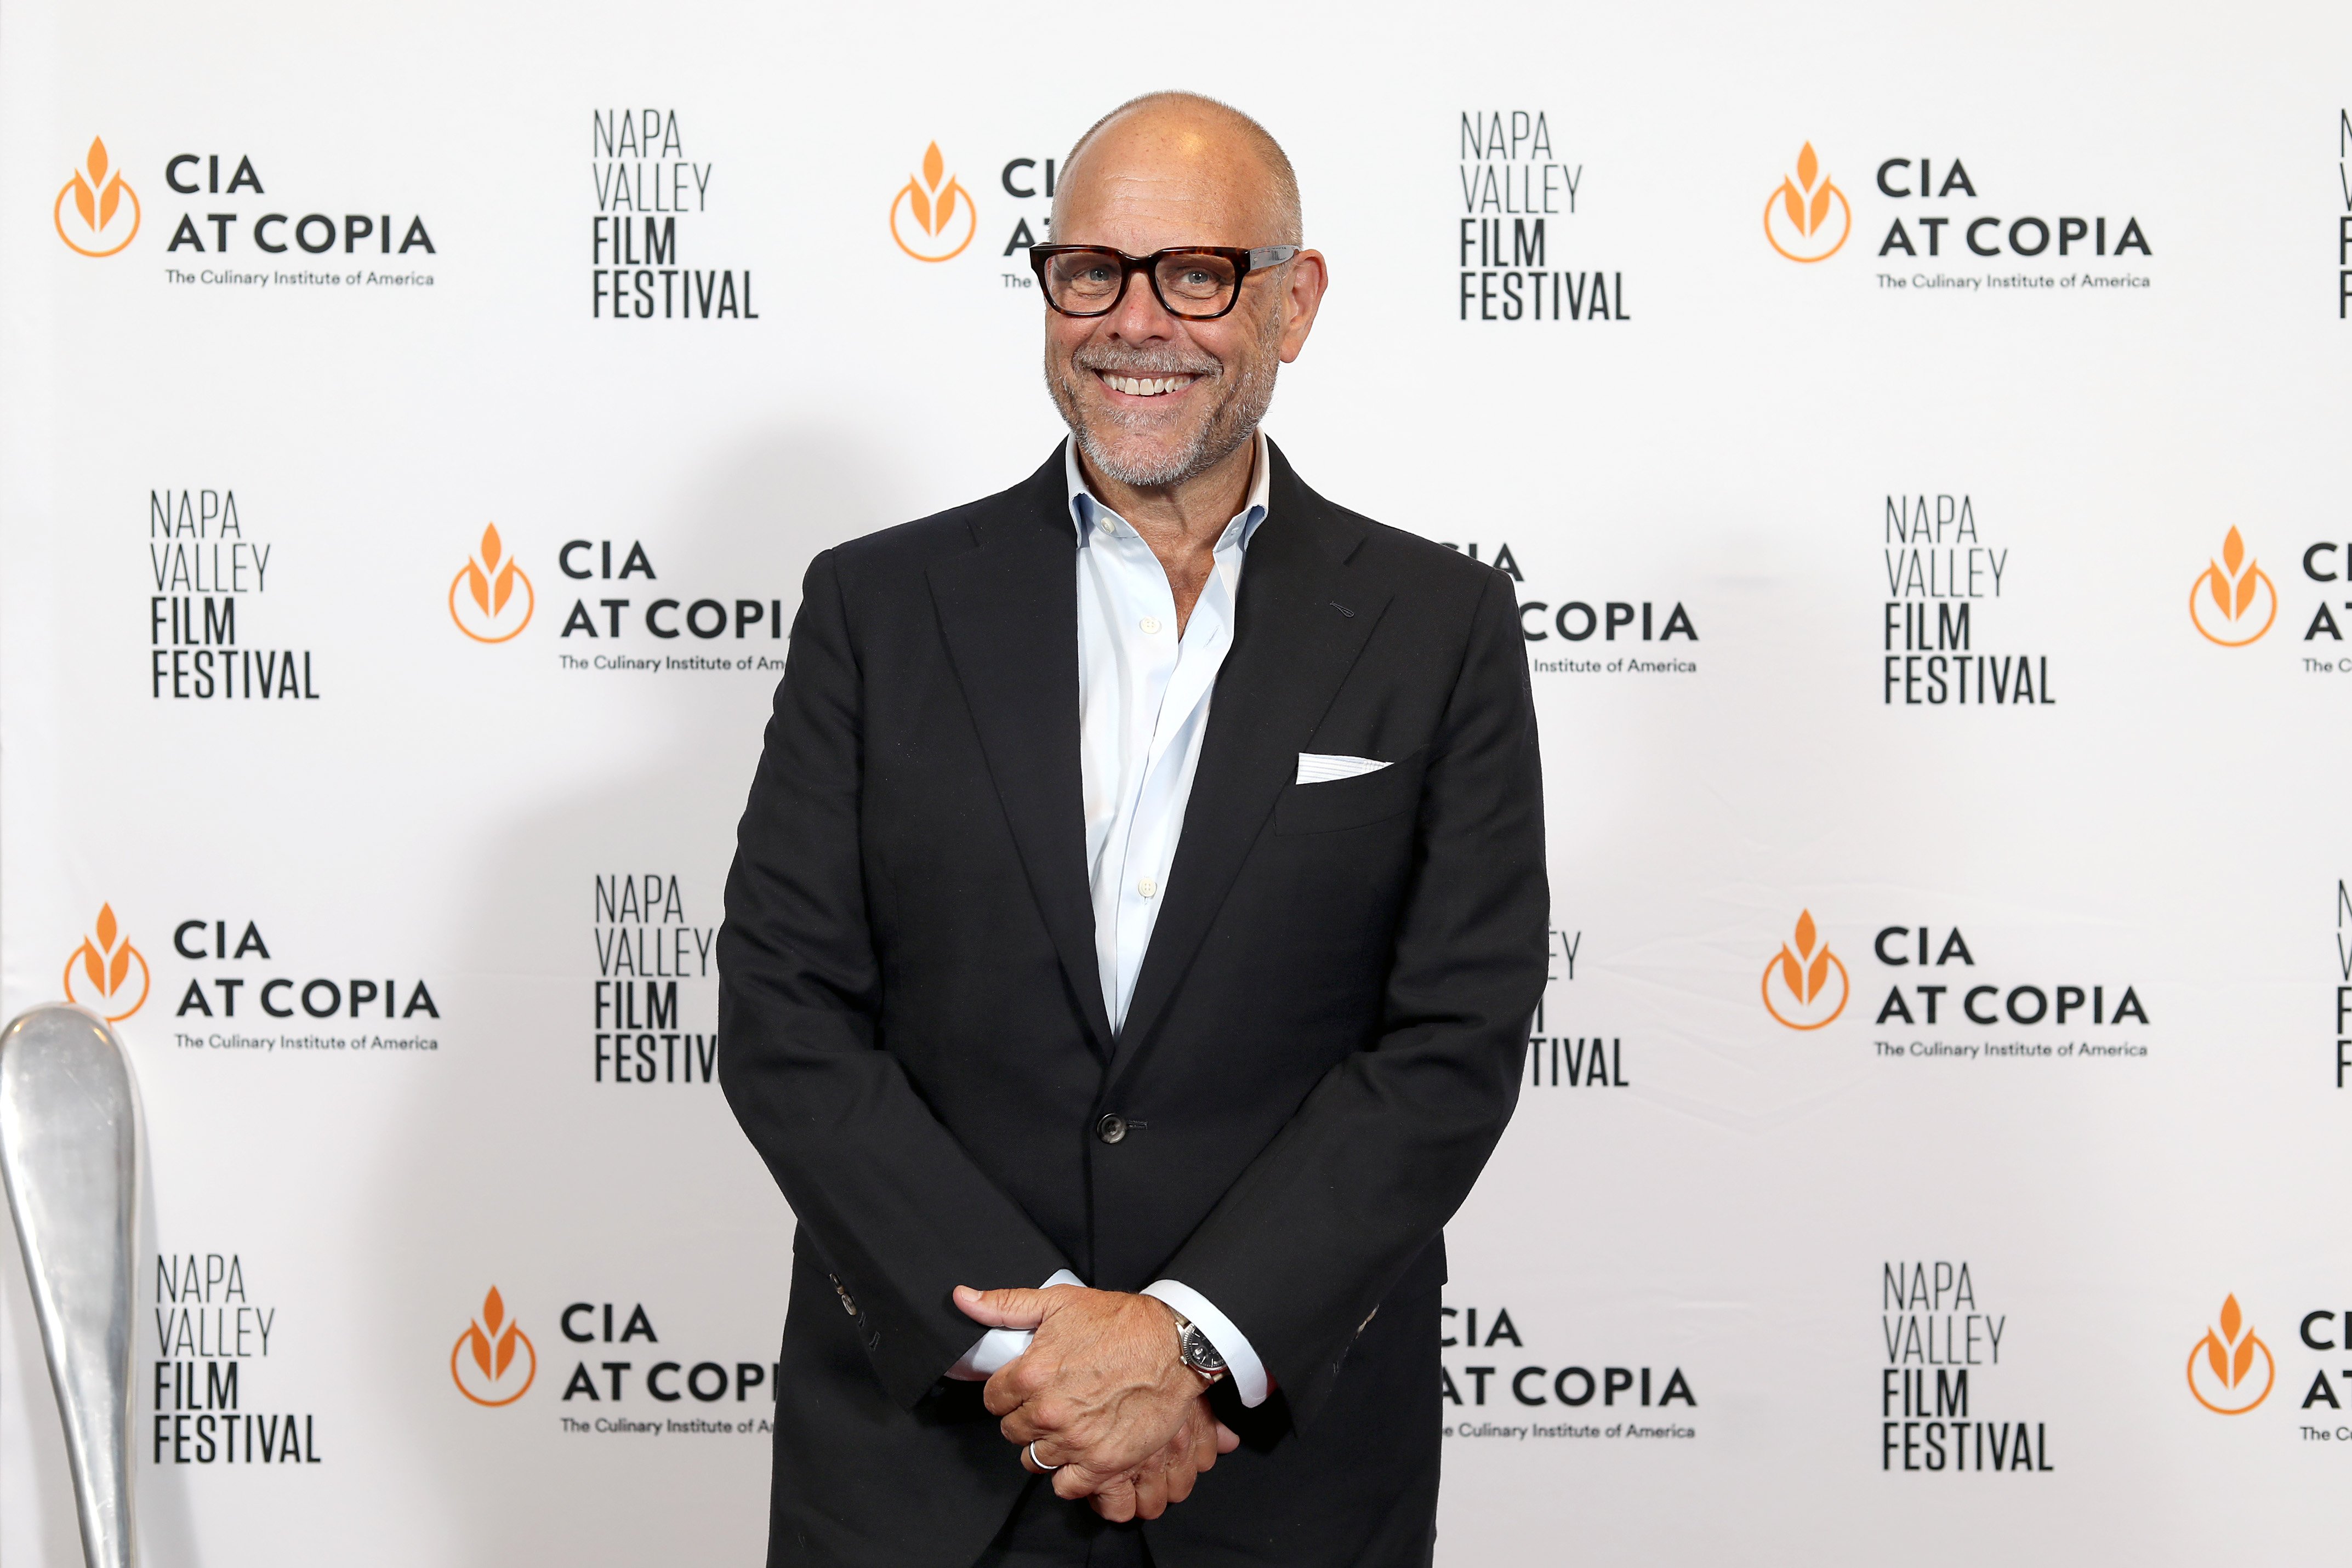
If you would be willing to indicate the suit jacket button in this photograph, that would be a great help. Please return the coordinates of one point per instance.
(1111, 1128)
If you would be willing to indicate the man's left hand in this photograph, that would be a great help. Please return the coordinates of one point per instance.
(1100, 1390)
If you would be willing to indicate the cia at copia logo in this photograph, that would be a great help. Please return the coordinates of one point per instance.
(2233, 601)
(493, 1364)
(2222, 1365)
(1805, 985)
(1807, 218)
(104, 210)
(932, 217)
(491, 599)
(106, 974)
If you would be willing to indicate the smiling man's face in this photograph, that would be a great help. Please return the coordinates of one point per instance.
(1153, 399)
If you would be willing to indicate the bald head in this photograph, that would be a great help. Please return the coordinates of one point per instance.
(1209, 154)
(1162, 404)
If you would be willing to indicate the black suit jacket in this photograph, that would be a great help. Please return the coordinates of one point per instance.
(1323, 1046)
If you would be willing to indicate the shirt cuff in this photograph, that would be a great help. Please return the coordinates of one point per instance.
(1000, 1348)
(1248, 1370)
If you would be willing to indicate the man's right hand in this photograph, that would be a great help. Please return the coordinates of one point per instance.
(1166, 1476)
(1102, 1395)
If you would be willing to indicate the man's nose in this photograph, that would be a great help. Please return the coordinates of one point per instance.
(1139, 316)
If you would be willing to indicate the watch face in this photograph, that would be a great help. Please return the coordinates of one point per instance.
(1200, 1352)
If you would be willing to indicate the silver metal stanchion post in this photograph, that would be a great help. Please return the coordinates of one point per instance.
(70, 1151)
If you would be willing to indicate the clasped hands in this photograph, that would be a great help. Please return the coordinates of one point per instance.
(1103, 1396)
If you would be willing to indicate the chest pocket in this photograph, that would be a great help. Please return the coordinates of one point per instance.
(1338, 804)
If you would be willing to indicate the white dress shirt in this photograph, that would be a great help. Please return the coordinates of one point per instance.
(1143, 708)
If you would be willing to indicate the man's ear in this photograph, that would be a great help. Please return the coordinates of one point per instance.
(1302, 297)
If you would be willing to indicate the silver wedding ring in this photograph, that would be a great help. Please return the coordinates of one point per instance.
(1041, 1463)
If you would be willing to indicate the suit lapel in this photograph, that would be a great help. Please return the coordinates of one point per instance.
(1009, 612)
(1293, 645)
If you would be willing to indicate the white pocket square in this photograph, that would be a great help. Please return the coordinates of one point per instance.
(1315, 769)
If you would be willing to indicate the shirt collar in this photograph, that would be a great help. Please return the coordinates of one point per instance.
(1087, 511)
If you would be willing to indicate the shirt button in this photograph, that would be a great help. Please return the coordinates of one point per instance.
(1111, 1129)
(1146, 887)
(1150, 624)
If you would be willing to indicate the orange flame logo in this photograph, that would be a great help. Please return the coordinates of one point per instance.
(98, 191)
(2222, 600)
(1805, 985)
(1797, 217)
(924, 216)
(483, 1362)
(2221, 1367)
(482, 597)
(97, 975)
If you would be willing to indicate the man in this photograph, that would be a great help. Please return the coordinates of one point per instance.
(1141, 896)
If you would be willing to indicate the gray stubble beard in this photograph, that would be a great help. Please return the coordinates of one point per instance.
(1233, 421)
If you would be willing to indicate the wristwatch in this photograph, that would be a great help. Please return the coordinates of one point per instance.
(1193, 1349)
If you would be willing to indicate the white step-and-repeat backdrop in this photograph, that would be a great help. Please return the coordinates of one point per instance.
(1920, 444)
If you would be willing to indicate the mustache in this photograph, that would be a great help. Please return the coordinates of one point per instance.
(1134, 361)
